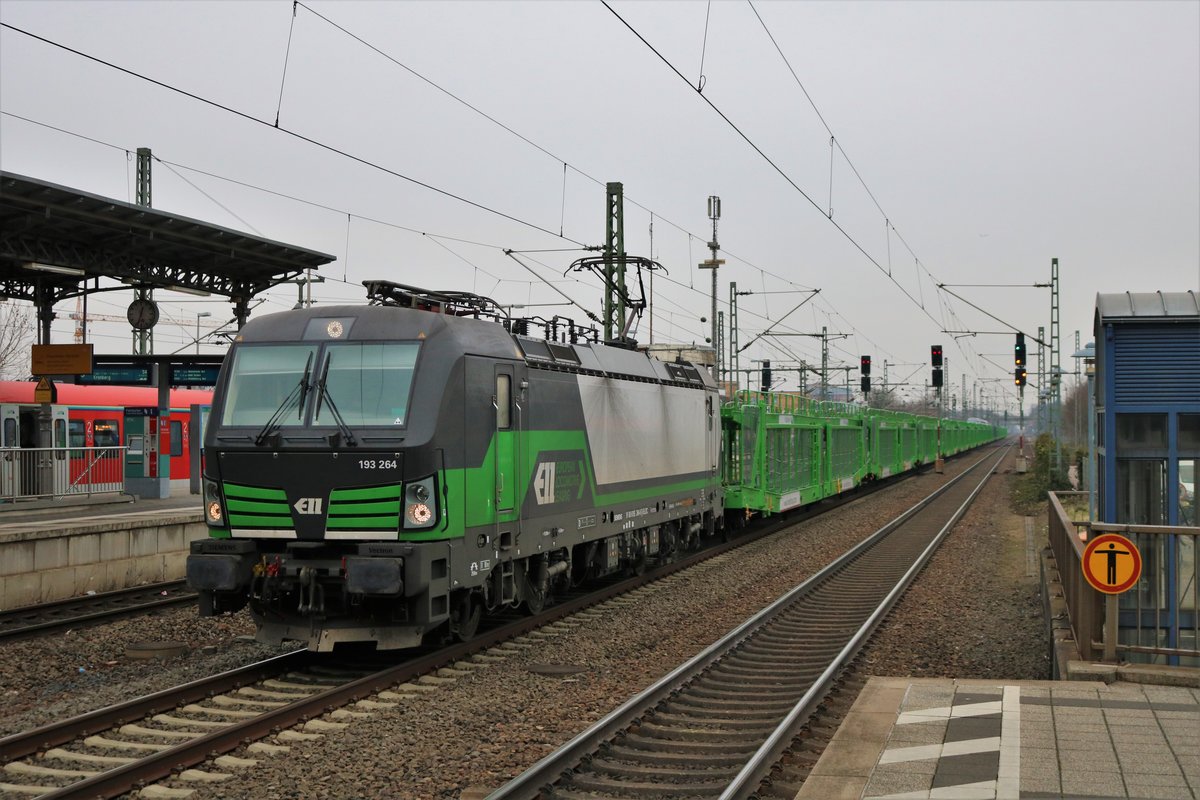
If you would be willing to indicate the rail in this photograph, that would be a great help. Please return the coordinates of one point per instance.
(1158, 617)
(28, 473)
(831, 610)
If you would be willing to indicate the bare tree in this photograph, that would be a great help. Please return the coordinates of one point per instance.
(16, 337)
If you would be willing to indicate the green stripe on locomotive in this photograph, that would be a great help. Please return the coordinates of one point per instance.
(469, 499)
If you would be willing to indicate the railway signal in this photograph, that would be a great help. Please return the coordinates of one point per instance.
(1019, 376)
(864, 368)
(935, 355)
(937, 378)
(766, 375)
(1019, 350)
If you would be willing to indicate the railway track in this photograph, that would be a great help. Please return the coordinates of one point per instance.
(114, 750)
(717, 725)
(76, 611)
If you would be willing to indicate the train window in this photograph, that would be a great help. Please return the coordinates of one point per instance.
(60, 433)
(368, 382)
(76, 437)
(176, 439)
(263, 378)
(503, 402)
(107, 433)
(10, 432)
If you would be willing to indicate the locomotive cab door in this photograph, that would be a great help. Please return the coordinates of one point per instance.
(508, 418)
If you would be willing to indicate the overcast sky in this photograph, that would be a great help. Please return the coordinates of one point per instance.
(989, 139)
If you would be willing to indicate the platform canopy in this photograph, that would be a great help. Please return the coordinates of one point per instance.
(56, 242)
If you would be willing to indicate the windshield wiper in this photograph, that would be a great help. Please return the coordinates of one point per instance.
(295, 397)
(323, 394)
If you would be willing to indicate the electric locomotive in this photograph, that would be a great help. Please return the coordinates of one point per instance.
(387, 472)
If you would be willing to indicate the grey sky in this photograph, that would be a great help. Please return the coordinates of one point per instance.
(994, 136)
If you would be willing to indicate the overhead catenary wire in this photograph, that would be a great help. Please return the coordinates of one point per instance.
(295, 134)
(768, 159)
(251, 118)
(539, 147)
(438, 239)
(833, 143)
(287, 53)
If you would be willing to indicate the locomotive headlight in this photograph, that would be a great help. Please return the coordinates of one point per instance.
(420, 504)
(214, 509)
(419, 514)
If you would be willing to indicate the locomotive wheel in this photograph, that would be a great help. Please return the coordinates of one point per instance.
(464, 623)
(535, 600)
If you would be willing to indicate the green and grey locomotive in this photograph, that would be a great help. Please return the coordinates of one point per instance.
(384, 472)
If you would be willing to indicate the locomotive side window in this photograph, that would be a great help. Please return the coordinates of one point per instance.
(368, 382)
(176, 439)
(264, 378)
(503, 402)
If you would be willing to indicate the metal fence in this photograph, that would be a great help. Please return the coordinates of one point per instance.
(54, 472)
(1158, 619)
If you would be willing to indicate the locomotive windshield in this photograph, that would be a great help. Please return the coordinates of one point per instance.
(368, 383)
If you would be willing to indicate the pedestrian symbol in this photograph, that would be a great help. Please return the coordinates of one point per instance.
(1111, 563)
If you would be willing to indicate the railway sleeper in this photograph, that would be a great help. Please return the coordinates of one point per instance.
(676, 719)
(675, 758)
(701, 729)
(732, 706)
(719, 737)
(608, 786)
(662, 748)
(634, 770)
(759, 678)
(717, 687)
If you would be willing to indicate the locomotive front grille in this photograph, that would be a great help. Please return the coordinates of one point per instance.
(373, 508)
(257, 507)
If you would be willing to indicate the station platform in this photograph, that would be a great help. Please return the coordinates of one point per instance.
(909, 738)
(53, 551)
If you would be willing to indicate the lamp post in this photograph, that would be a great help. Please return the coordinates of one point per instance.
(200, 314)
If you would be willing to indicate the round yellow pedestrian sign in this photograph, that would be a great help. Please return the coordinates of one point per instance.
(1111, 563)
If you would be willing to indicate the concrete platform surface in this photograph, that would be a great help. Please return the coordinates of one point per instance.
(908, 738)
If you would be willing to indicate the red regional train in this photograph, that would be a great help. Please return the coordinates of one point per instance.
(94, 416)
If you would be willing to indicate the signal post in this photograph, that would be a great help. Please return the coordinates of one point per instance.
(1019, 378)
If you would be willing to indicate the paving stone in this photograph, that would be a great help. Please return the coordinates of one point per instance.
(895, 783)
(1093, 783)
(1148, 791)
